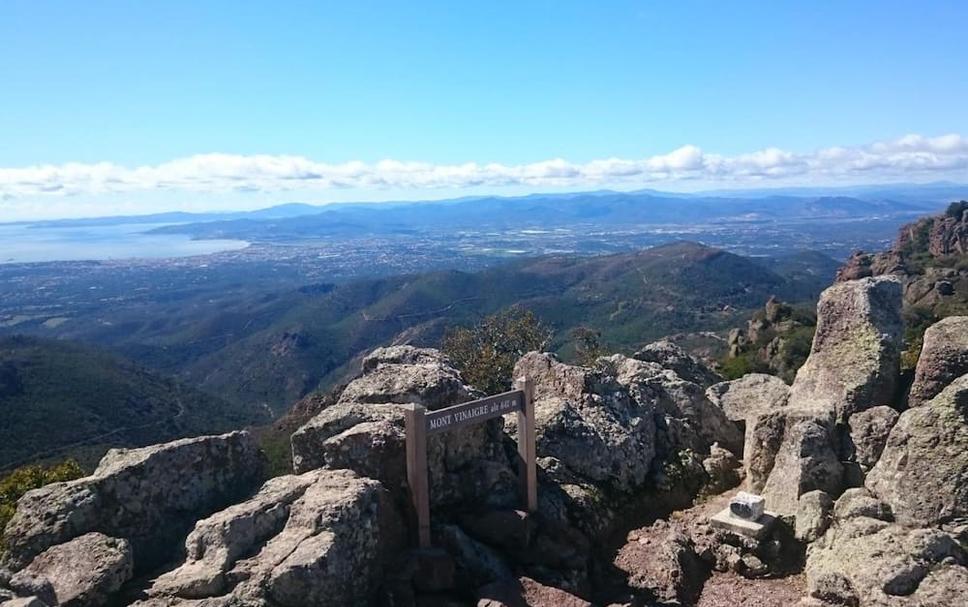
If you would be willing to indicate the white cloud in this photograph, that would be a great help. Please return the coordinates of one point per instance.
(912, 156)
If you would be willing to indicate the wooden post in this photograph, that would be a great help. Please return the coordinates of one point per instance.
(417, 470)
(526, 448)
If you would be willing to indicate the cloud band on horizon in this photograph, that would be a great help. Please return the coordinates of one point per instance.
(909, 157)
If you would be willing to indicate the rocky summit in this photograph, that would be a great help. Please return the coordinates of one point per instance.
(853, 493)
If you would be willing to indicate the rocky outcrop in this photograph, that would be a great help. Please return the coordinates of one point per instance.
(747, 398)
(322, 538)
(662, 565)
(853, 364)
(923, 471)
(404, 374)
(750, 396)
(147, 496)
(365, 432)
(776, 339)
(814, 511)
(589, 423)
(793, 453)
(670, 356)
(867, 562)
(944, 358)
(83, 572)
(685, 416)
(868, 432)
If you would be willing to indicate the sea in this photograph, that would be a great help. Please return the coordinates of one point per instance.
(24, 243)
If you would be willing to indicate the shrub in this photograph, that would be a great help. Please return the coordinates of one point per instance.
(485, 353)
(588, 345)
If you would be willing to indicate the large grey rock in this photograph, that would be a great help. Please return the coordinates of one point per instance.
(923, 471)
(747, 398)
(83, 572)
(750, 396)
(944, 358)
(868, 434)
(700, 422)
(322, 538)
(220, 540)
(793, 453)
(858, 502)
(149, 496)
(670, 356)
(853, 364)
(589, 423)
(402, 355)
(660, 562)
(863, 561)
(422, 376)
(813, 515)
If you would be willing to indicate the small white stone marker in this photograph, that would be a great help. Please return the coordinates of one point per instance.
(747, 506)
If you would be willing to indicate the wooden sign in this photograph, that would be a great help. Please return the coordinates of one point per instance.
(421, 423)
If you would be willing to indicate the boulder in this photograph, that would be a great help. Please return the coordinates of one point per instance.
(944, 358)
(923, 471)
(670, 356)
(794, 453)
(83, 572)
(863, 561)
(868, 434)
(750, 396)
(747, 398)
(858, 502)
(431, 382)
(853, 364)
(322, 538)
(402, 355)
(689, 419)
(722, 468)
(220, 540)
(149, 496)
(476, 564)
(589, 423)
(813, 515)
(661, 564)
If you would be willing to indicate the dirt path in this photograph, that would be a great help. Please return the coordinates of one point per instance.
(731, 589)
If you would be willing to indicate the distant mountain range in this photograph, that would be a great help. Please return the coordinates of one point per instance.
(602, 209)
(641, 206)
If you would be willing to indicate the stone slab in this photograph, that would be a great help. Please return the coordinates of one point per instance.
(758, 529)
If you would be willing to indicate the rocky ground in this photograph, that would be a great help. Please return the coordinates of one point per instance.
(869, 490)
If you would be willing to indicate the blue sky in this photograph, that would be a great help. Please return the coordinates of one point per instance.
(134, 107)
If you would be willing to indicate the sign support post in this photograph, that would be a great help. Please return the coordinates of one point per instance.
(528, 465)
(417, 470)
(420, 423)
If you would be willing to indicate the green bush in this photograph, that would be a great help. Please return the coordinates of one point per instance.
(485, 353)
(738, 366)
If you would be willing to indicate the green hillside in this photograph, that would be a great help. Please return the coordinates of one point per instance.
(271, 349)
(60, 399)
